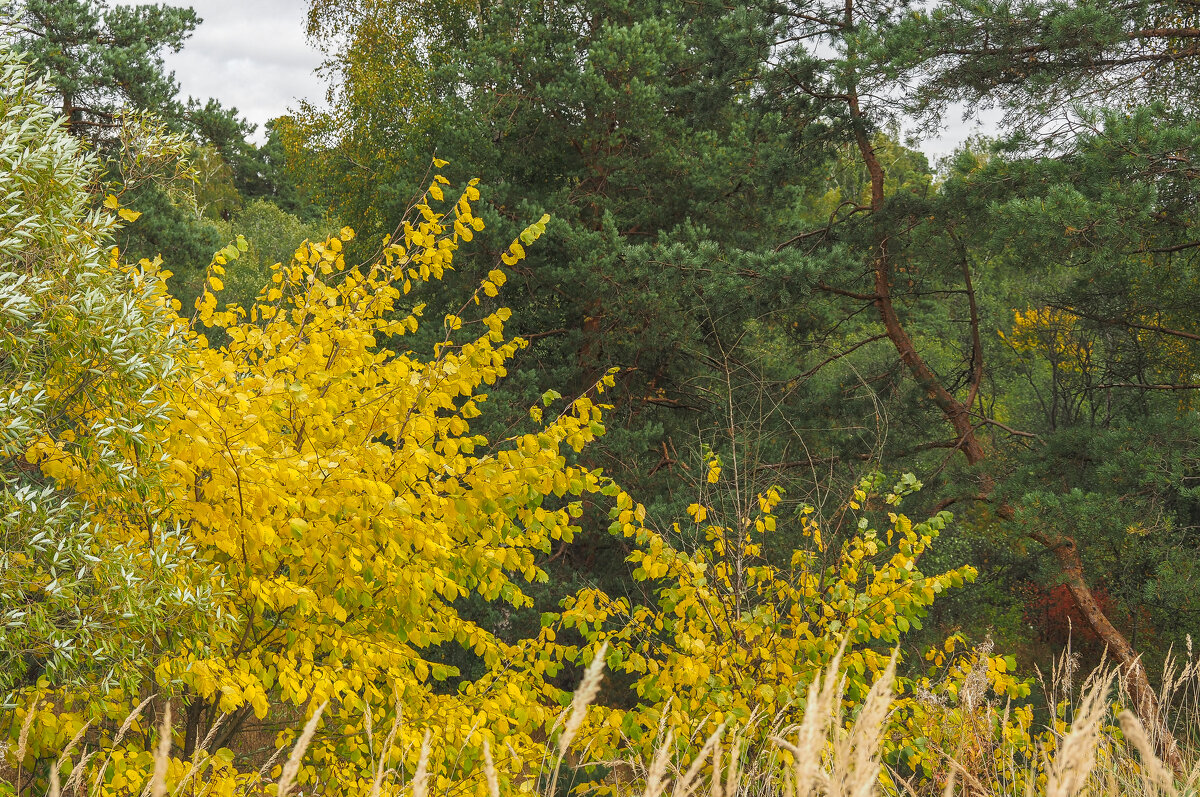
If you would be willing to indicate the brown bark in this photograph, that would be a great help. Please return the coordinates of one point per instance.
(955, 411)
(1133, 673)
(192, 729)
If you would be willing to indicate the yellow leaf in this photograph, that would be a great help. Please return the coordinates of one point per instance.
(129, 215)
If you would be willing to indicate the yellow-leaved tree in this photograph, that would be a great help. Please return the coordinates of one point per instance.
(333, 479)
(330, 481)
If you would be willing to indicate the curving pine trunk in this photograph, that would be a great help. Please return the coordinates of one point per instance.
(958, 413)
(1133, 672)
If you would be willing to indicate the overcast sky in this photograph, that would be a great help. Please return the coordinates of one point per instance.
(955, 130)
(249, 54)
(253, 55)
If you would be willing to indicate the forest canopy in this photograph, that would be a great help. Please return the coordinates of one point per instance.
(603, 336)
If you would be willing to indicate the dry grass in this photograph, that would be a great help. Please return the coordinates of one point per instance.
(1068, 772)
(823, 754)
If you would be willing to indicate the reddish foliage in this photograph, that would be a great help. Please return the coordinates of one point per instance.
(1053, 615)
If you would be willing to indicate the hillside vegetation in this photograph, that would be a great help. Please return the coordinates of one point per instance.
(603, 397)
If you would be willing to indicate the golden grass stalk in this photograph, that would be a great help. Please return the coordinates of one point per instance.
(687, 784)
(1068, 772)
(714, 788)
(656, 775)
(948, 789)
(23, 738)
(1155, 775)
(733, 775)
(162, 756)
(200, 751)
(66, 752)
(287, 778)
(585, 695)
(62, 759)
(489, 770)
(269, 764)
(74, 741)
(975, 784)
(856, 754)
(77, 772)
(420, 784)
(368, 726)
(385, 752)
(822, 708)
(120, 736)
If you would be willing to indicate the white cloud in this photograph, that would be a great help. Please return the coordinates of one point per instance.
(249, 54)
(958, 124)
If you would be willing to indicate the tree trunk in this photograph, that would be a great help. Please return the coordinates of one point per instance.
(956, 412)
(192, 729)
(1133, 673)
(1145, 701)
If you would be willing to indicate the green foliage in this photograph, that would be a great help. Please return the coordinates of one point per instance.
(637, 133)
(303, 590)
(791, 296)
(273, 235)
(85, 356)
(717, 235)
(1040, 60)
(105, 64)
(733, 632)
(265, 175)
(174, 229)
(101, 60)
